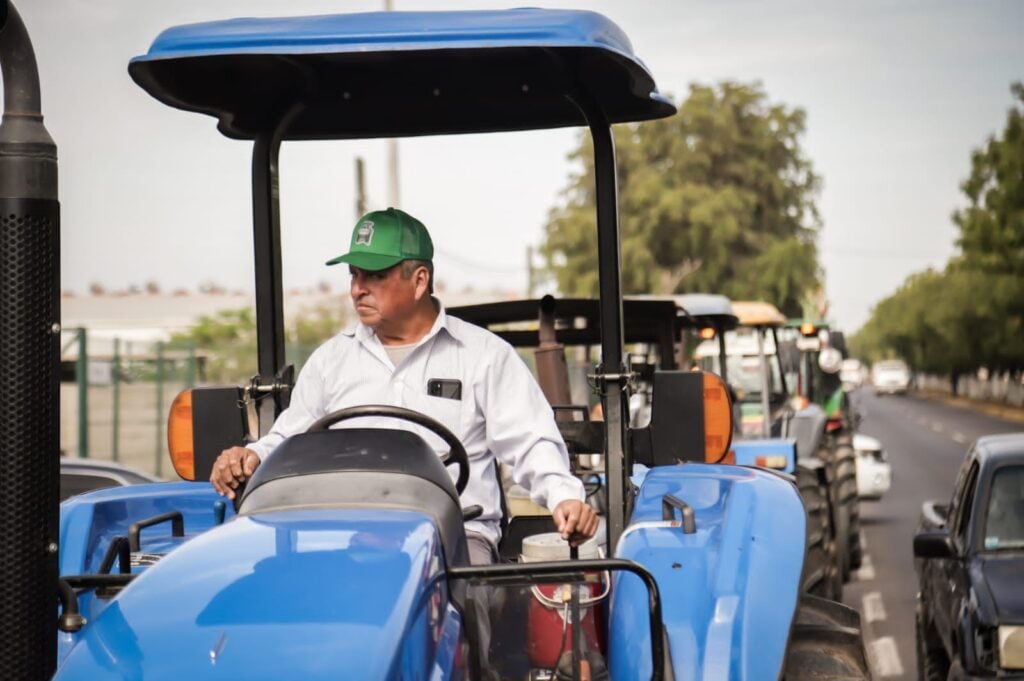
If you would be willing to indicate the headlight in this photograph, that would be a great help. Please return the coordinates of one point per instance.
(1011, 647)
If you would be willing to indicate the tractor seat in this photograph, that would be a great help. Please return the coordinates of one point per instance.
(368, 468)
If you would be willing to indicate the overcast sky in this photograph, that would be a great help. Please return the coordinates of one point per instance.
(897, 94)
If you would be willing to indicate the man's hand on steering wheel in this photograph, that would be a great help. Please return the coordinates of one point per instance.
(575, 520)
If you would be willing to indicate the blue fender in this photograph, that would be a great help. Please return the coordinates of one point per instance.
(323, 594)
(89, 521)
(729, 591)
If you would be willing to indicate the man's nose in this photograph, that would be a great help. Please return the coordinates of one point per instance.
(358, 287)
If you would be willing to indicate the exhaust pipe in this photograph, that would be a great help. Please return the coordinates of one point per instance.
(29, 361)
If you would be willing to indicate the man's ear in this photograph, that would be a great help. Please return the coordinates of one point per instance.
(422, 279)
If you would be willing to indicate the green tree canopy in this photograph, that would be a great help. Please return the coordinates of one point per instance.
(229, 339)
(719, 198)
(992, 225)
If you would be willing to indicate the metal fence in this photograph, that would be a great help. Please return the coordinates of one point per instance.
(115, 395)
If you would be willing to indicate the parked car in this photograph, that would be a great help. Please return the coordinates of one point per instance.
(874, 472)
(852, 373)
(78, 476)
(890, 376)
(969, 557)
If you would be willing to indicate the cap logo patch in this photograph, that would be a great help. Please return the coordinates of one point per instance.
(364, 235)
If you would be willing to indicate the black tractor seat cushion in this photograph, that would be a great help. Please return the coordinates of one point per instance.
(360, 468)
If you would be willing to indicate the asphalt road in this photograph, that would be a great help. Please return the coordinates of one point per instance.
(926, 441)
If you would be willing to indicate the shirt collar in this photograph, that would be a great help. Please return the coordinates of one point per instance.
(365, 334)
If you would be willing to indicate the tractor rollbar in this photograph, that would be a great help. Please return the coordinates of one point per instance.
(612, 378)
(266, 232)
(575, 571)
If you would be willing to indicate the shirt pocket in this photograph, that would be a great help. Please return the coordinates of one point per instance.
(446, 411)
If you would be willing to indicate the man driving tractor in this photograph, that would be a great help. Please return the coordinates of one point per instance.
(406, 351)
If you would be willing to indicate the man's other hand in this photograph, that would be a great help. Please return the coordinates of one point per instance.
(233, 467)
(576, 521)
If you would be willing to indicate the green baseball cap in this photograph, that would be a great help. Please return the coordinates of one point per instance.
(384, 238)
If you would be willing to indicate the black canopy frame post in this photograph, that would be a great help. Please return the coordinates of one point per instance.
(266, 224)
(612, 379)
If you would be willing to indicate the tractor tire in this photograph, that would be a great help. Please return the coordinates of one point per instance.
(825, 643)
(856, 548)
(846, 452)
(849, 505)
(932, 664)
(836, 473)
(820, 576)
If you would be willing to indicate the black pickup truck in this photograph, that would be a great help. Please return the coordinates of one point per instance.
(969, 557)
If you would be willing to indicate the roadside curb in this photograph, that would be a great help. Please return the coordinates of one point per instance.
(1002, 411)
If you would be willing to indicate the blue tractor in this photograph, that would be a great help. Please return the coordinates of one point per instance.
(346, 555)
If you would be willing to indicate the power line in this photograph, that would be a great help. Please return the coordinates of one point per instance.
(479, 266)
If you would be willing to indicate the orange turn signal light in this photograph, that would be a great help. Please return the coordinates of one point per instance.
(707, 333)
(808, 329)
(777, 461)
(179, 436)
(717, 419)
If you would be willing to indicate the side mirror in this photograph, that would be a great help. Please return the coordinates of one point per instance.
(202, 423)
(932, 544)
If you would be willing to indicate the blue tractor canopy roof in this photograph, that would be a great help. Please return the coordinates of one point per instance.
(395, 74)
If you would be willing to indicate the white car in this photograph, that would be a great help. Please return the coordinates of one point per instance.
(890, 376)
(851, 373)
(874, 472)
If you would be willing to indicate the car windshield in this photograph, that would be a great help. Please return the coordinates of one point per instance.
(1004, 522)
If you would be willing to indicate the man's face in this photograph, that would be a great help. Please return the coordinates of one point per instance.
(382, 296)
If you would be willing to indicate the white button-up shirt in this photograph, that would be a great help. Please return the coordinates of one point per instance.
(502, 413)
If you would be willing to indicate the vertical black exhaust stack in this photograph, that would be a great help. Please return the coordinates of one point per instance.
(29, 361)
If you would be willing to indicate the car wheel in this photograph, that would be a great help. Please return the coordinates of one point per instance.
(931, 659)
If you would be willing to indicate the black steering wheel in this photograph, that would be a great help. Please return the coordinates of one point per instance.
(456, 452)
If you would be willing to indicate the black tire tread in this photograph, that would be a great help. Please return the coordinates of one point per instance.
(825, 643)
(820, 576)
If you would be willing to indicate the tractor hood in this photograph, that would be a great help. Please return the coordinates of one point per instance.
(339, 594)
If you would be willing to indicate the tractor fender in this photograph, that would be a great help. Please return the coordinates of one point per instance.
(807, 427)
(729, 590)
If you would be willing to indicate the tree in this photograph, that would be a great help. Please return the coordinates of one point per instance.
(229, 339)
(718, 198)
(992, 225)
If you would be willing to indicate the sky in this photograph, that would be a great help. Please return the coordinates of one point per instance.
(897, 95)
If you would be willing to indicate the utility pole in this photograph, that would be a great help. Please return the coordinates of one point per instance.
(531, 282)
(360, 187)
(394, 198)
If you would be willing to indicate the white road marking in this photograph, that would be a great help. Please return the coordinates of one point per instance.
(884, 657)
(866, 571)
(959, 437)
(873, 608)
(937, 427)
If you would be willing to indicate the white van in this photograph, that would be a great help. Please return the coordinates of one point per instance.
(890, 377)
